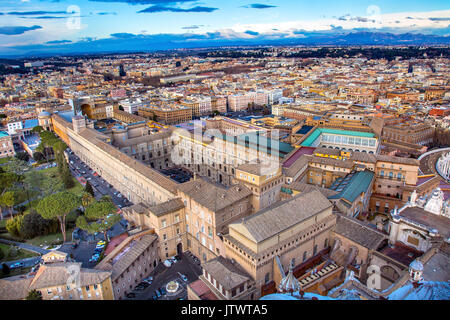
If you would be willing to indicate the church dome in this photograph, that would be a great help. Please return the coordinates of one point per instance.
(289, 283)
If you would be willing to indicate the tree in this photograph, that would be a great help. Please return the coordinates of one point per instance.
(66, 176)
(121, 108)
(8, 199)
(34, 295)
(17, 166)
(58, 206)
(23, 156)
(88, 188)
(37, 129)
(87, 199)
(34, 225)
(38, 156)
(105, 215)
(14, 225)
(5, 269)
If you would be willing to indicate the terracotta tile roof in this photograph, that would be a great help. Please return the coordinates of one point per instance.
(213, 196)
(158, 178)
(228, 274)
(358, 232)
(15, 288)
(167, 207)
(57, 274)
(125, 254)
(283, 215)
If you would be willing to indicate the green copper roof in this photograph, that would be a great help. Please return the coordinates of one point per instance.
(352, 185)
(256, 141)
(313, 136)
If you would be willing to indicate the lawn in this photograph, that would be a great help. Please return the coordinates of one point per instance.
(5, 160)
(11, 255)
(50, 239)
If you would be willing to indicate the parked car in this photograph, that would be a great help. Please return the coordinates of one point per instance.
(158, 294)
(182, 276)
(167, 263)
(16, 265)
(101, 242)
(148, 280)
(163, 291)
(131, 295)
(74, 245)
(155, 297)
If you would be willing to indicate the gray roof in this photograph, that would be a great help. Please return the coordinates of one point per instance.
(427, 219)
(284, 215)
(228, 274)
(167, 207)
(358, 232)
(213, 196)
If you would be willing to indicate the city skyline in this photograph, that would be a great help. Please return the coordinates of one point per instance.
(33, 27)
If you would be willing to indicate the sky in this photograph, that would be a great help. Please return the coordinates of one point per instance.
(67, 25)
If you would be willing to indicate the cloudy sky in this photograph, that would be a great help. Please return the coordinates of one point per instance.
(36, 25)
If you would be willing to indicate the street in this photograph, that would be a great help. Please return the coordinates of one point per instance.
(81, 171)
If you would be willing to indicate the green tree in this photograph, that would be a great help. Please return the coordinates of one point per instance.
(88, 188)
(58, 206)
(5, 269)
(87, 199)
(14, 225)
(38, 156)
(121, 108)
(23, 156)
(34, 295)
(18, 166)
(37, 129)
(66, 176)
(105, 215)
(34, 225)
(8, 199)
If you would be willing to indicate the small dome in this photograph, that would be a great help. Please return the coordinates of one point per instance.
(416, 265)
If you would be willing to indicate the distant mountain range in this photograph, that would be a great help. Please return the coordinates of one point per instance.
(150, 43)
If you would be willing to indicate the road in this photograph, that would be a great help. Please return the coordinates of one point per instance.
(27, 262)
(26, 246)
(101, 187)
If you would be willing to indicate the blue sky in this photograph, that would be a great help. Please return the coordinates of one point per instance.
(37, 23)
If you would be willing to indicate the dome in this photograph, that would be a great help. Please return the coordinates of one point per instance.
(44, 114)
(289, 283)
(416, 265)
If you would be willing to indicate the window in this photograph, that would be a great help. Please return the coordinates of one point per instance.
(304, 255)
(315, 250)
(267, 278)
(163, 223)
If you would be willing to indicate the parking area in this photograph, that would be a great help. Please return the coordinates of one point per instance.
(184, 271)
(101, 187)
(82, 253)
(177, 174)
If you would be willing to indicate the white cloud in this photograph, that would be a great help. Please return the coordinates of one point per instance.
(373, 20)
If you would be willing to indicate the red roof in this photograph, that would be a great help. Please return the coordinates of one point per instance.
(202, 290)
(115, 242)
